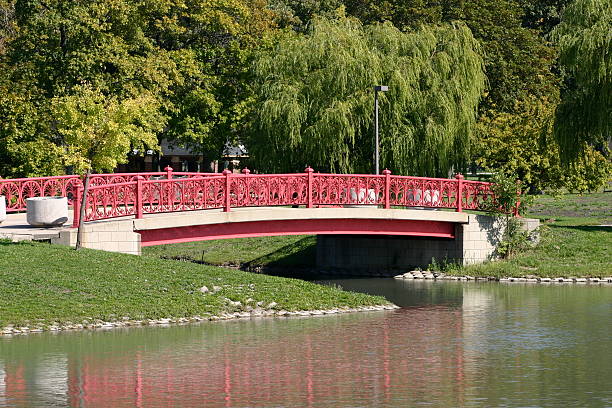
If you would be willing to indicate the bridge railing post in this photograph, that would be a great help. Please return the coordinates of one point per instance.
(76, 204)
(459, 178)
(309, 202)
(168, 171)
(228, 199)
(387, 174)
(139, 201)
(515, 210)
(170, 187)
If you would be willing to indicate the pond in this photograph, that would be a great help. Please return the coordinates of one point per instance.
(451, 344)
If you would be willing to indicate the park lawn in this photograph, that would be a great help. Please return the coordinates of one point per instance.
(573, 241)
(42, 284)
(574, 209)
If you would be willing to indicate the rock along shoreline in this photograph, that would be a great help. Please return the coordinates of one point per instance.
(425, 275)
(126, 322)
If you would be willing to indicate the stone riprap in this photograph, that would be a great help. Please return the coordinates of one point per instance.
(424, 275)
(126, 322)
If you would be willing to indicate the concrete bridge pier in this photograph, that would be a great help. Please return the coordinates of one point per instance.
(475, 242)
(112, 236)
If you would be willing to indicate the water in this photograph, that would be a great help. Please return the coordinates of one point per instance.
(451, 345)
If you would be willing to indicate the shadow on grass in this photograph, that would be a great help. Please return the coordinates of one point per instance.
(292, 260)
(302, 253)
(585, 228)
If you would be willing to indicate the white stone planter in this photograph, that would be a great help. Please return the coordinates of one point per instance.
(2, 209)
(47, 211)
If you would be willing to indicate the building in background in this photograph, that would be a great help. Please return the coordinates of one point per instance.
(183, 159)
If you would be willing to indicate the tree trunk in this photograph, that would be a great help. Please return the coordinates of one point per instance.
(79, 241)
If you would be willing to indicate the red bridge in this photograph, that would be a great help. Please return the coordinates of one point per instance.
(167, 207)
(136, 194)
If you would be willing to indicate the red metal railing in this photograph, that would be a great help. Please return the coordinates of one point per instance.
(18, 190)
(136, 194)
(309, 189)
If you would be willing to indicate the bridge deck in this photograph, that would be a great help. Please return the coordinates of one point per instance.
(16, 228)
(245, 214)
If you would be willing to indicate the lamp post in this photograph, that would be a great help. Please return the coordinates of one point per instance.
(377, 89)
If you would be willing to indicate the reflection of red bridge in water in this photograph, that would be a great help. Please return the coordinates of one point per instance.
(393, 359)
(139, 194)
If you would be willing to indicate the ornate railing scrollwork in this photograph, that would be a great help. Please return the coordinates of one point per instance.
(137, 194)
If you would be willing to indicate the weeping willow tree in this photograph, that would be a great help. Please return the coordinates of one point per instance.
(584, 116)
(316, 98)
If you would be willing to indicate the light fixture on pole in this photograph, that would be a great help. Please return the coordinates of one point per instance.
(377, 89)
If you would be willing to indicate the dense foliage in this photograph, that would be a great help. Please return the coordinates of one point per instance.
(186, 59)
(585, 40)
(522, 145)
(316, 90)
(201, 73)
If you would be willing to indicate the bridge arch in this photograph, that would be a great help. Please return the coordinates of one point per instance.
(254, 222)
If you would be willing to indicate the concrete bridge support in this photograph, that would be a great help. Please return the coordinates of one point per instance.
(475, 242)
(111, 236)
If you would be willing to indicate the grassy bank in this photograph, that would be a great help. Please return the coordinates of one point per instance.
(564, 251)
(574, 209)
(42, 283)
(573, 243)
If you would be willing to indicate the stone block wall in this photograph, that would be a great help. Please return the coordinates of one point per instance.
(474, 242)
(478, 239)
(114, 236)
(386, 255)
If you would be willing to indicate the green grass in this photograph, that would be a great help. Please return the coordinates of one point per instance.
(564, 251)
(574, 209)
(42, 283)
(573, 244)
(285, 251)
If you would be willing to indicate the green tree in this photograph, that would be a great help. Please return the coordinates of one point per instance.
(191, 56)
(99, 131)
(520, 69)
(298, 13)
(404, 14)
(542, 15)
(316, 96)
(211, 104)
(584, 117)
(59, 48)
(518, 61)
(26, 148)
(7, 23)
(521, 145)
